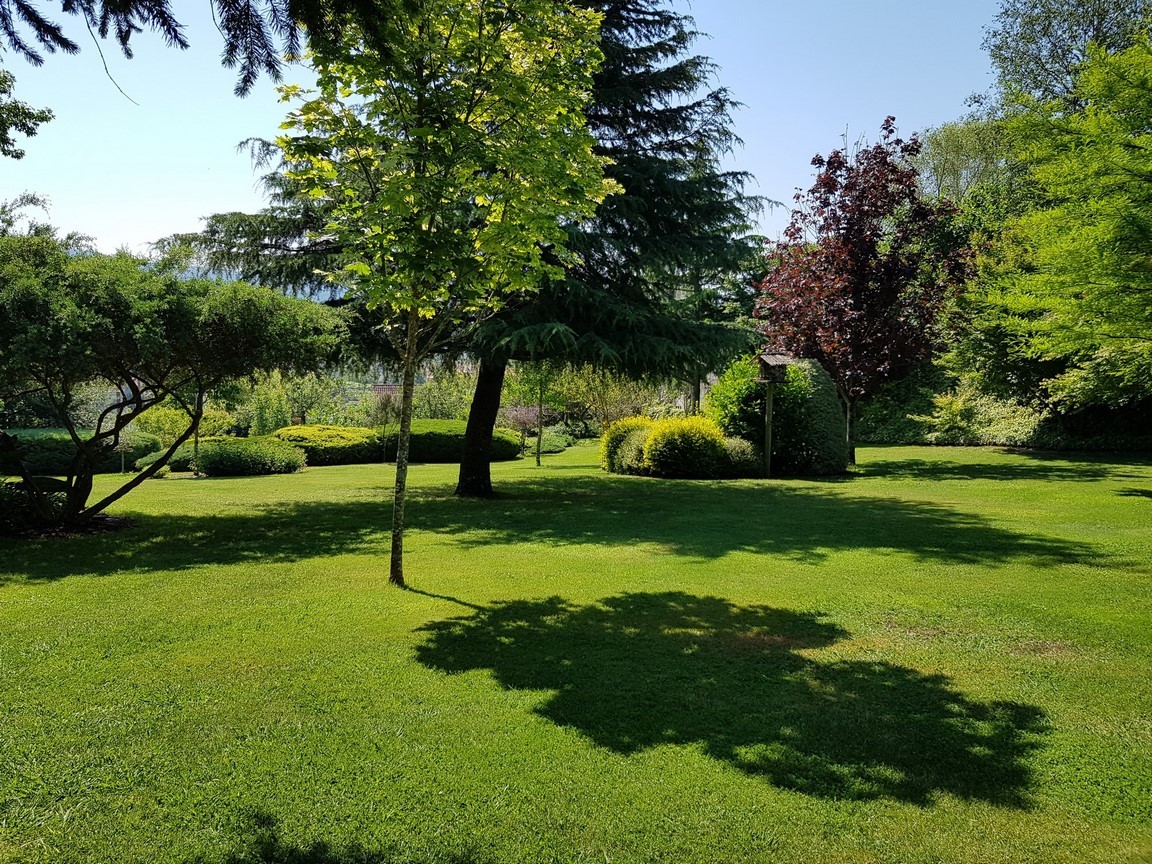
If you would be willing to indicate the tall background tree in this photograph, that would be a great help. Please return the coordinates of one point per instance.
(865, 268)
(448, 165)
(1037, 46)
(661, 257)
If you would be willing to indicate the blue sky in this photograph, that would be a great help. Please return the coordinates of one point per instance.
(807, 73)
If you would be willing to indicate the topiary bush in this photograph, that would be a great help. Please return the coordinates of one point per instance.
(335, 445)
(808, 436)
(442, 441)
(685, 447)
(50, 452)
(246, 457)
(613, 438)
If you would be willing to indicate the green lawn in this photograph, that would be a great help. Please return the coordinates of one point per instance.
(945, 658)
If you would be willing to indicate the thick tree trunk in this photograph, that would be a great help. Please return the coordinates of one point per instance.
(475, 479)
(396, 564)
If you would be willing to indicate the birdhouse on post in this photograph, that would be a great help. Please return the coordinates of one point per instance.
(773, 371)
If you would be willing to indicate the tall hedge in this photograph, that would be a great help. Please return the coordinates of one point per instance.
(808, 420)
(442, 441)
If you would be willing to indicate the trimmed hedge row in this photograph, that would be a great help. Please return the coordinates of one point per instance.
(442, 441)
(432, 441)
(50, 452)
(335, 445)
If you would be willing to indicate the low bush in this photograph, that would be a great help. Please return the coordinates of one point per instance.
(550, 442)
(18, 513)
(685, 447)
(808, 436)
(50, 452)
(629, 458)
(442, 441)
(335, 445)
(613, 438)
(245, 457)
(742, 459)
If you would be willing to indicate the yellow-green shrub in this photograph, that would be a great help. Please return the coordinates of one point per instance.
(614, 436)
(687, 447)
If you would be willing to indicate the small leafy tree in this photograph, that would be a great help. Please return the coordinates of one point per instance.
(68, 320)
(864, 271)
(449, 165)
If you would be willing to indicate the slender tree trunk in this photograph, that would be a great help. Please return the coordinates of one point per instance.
(696, 394)
(539, 418)
(475, 479)
(396, 565)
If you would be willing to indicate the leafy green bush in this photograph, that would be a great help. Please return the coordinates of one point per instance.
(243, 457)
(685, 447)
(335, 445)
(50, 452)
(550, 443)
(18, 515)
(742, 459)
(808, 436)
(442, 441)
(887, 417)
(629, 457)
(614, 436)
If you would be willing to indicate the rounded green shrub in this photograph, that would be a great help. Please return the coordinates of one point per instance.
(629, 458)
(550, 443)
(245, 457)
(614, 436)
(685, 447)
(335, 445)
(50, 452)
(808, 435)
(442, 441)
(742, 459)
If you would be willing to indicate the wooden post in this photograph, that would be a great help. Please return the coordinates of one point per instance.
(769, 393)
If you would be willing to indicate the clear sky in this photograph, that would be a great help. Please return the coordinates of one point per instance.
(807, 73)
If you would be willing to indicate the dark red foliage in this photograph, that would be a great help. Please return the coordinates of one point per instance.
(865, 268)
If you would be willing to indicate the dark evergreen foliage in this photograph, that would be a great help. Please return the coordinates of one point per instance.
(256, 35)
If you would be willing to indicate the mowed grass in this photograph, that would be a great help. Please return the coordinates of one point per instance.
(942, 659)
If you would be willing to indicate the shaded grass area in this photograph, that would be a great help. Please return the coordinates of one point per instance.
(591, 668)
(639, 670)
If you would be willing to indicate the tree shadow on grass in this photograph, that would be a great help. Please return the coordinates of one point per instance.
(261, 843)
(805, 522)
(641, 670)
(1040, 466)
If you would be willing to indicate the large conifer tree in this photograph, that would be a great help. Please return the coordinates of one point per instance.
(655, 254)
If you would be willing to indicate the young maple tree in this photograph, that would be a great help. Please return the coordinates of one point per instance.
(447, 168)
(864, 271)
